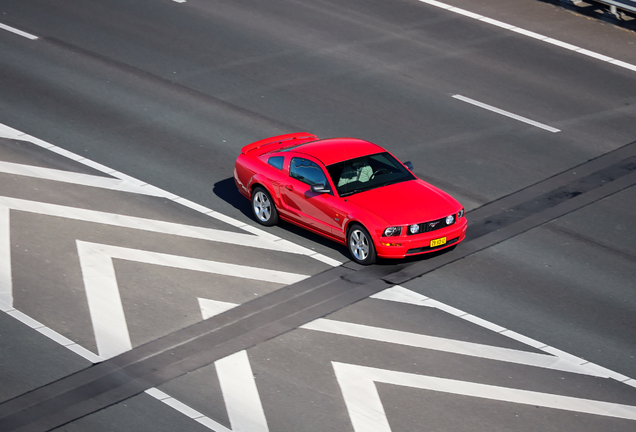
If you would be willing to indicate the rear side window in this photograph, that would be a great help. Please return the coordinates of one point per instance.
(307, 172)
(276, 161)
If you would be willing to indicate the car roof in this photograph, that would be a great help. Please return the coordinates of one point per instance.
(332, 150)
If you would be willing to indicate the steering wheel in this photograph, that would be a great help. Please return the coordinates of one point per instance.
(380, 171)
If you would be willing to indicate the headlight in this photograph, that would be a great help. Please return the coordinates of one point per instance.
(460, 214)
(392, 231)
(414, 229)
(450, 220)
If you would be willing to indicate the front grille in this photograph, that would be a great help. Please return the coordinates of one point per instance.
(428, 248)
(430, 226)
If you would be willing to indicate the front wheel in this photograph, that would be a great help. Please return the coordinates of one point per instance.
(360, 245)
(263, 207)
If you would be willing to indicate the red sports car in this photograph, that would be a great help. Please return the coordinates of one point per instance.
(351, 191)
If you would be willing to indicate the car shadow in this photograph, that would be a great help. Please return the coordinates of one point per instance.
(227, 191)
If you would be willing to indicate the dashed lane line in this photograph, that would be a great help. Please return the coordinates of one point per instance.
(506, 113)
(18, 32)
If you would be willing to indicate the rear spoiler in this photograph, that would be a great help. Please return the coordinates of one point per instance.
(288, 139)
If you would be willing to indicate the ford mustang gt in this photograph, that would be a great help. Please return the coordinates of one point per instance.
(351, 191)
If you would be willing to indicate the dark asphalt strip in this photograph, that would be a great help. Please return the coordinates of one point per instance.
(271, 315)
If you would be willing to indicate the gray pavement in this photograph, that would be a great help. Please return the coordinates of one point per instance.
(534, 332)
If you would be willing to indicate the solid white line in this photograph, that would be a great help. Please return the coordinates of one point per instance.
(529, 33)
(240, 393)
(506, 113)
(76, 178)
(104, 301)
(102, 291)
(359, 390)
(6, 284)
(402, 295)
(564, 363)
(144, 224)
(283, 245)
(18, 32)
(449, 345)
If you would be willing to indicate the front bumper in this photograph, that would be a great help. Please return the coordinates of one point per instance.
(403, 245)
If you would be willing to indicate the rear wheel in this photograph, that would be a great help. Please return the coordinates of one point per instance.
(361, 245)
(263, 207)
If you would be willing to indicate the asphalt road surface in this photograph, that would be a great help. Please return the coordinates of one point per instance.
(139, 294)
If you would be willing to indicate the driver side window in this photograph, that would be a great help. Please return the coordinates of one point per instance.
(307, 172)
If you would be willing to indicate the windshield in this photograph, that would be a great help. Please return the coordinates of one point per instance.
(367, 172)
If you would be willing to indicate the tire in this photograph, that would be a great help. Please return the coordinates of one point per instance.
(263, 207)
(360, 245)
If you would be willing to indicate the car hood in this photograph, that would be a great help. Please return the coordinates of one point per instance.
(409, 202)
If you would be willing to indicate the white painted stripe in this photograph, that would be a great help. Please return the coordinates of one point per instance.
(6, 284)
(186, 410)
(529, 33)
(143, 224)
(367, 412)
(18, 32)
(76, 178)
(240, 393)
(104, 302)
(102, 292)
(187, 263)
(403, 295)
(211, 308)
(506, 113)
(449, 345)
(11, 133)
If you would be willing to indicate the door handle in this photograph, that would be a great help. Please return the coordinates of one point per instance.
(289, 187)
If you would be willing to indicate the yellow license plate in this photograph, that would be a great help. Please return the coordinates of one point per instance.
(438, 242)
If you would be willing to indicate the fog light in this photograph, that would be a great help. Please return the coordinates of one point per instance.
(414, 229)
(450, 220)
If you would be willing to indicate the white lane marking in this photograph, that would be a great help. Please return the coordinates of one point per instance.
(240, 393)
(18, 32)
(367, 414)
(143, 224)
(506, 113)
(6, 283)
(211, 308)
(186, 410)
(104, 301)
(449, 345)
(102, 291)
(242, 401)
(76, 178)
(11, 133)
(403, 295)
(531, 34)
(53, 335)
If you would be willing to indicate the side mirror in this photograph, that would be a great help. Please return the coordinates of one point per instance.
(409, 165)
(320, 188)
